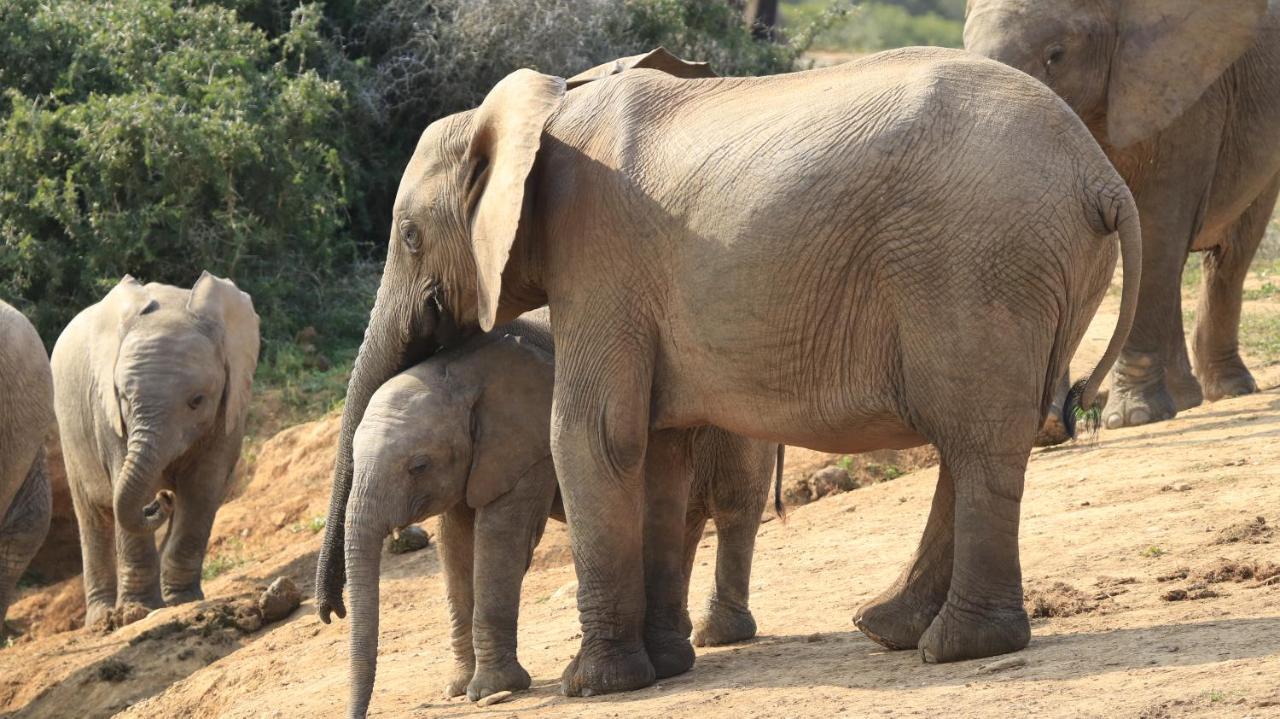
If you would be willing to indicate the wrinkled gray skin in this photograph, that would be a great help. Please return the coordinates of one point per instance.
(26, 416)
(909, 254)
(153, 385)
(1184, 96)
(465, 435)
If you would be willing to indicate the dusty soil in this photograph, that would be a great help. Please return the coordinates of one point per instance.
(1153, 584)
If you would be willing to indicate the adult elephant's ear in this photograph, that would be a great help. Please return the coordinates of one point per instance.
(222, 303)
(655, 59)
(1169, 52)
(509, 431)
(126, 300)
(504, 144)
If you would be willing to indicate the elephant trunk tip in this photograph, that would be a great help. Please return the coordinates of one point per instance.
(1074, 405)
(158, 511)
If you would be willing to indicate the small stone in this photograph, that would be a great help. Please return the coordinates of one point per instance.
(1183, 487)
(408, 539)
(831, 480)
(1002, 664)
(279, 600)
(1084, 504)
(494, 698)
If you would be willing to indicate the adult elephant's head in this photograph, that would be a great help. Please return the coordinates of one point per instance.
(171, 368)
(1128, 68)
(457, 216)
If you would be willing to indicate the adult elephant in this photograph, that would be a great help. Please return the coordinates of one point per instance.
(1184, 96)
(152, 391)
(26, 416)
(900, 250)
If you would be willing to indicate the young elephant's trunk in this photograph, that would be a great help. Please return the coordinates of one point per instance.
(139, 509)
(364, 534)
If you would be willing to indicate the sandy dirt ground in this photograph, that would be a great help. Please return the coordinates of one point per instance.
(1152, 579)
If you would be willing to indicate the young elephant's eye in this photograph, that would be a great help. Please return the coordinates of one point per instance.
(419, 465)
(195, 402)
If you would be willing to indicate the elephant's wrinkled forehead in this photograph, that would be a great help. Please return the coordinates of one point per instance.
(439, 152)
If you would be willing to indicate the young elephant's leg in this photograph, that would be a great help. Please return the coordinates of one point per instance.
(739, 486)
(668, 475)
(138, 570)
(23, 530)
(457, 557)
(97, 554)
(1217, 337)
(505, 533)
(900, 615)
(599, 432)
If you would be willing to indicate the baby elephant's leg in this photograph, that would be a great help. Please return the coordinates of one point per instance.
(505, 532)
(457, 555)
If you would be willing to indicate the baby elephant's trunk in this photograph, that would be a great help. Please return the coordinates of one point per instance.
(365, 531)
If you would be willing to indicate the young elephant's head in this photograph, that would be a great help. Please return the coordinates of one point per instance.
(462, 202)
(1129, 68)
(172, 369)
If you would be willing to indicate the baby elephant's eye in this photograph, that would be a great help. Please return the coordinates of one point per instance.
(195, 402)
(419, 465)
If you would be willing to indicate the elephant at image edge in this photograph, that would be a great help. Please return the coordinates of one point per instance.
(943, 236)
(152, 390)
(26, 416)
(1184, 96)
(465, 435)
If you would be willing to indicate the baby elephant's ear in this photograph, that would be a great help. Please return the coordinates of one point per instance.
(221, 302)
(655, 59)
(511, 419)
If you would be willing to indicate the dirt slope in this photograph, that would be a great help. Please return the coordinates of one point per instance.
(1103, 522)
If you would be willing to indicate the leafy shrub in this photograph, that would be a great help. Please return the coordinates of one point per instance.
(886, 24)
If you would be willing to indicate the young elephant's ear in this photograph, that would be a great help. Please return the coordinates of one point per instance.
(221, 302)
(504, 144)
(126, 300)
(511, 419)
(655, 59)
(1169, 53)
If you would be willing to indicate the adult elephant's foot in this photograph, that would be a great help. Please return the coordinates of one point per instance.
(963, 630)
(666, 641)
(1185, 390)
(457, 684)
(1227, 379)
(508, 676)
(899, 617)
(606, 666)
(98, 616)
(175, 597)
(723, 624)
(1139, 395)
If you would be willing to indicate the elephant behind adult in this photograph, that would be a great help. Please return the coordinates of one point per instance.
(26, 416)
(1184, 96)
(153, 385)
(896, 251)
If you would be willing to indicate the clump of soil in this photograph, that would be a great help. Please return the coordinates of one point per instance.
(279, 600)
(1179, 595)
(114, 670)
(1254, 531)
(1059, 600)
(1228, 570)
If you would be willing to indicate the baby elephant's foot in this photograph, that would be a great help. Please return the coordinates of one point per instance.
(974, 632)
(506, 677)
(723, 625)
(1228, 379)
(457, 685)
(99, 617)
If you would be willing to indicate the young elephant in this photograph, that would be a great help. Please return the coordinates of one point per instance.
(26, 415)
(153, 387)
(465, 435)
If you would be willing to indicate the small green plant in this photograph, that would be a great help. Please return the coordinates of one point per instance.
(224, 561)
(888, 472)
(1153, 552)
(846, 463)
(1215, 696)
(1266, 291)
(313, 525)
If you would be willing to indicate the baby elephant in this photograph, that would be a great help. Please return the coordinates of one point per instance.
(152, 389)
(26, 415)
(466, 435)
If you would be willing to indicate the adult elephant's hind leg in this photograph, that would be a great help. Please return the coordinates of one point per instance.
(668, 472)
(1217, 337)
(900, 615)
(983, 614)
(599, 430)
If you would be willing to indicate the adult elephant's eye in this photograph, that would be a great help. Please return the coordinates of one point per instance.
(1053, 56)
(419, 466)
(409, 235)
(195, 402)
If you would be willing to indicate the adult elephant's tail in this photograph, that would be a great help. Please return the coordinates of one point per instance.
(1119, 213)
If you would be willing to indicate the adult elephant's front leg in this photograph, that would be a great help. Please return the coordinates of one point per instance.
(668, 472)
(598, 437)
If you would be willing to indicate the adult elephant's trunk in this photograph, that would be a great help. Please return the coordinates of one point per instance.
(139, 509)
(393, 340)
(364, 569)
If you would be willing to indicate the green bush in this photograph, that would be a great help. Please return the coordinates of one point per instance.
(885, 24)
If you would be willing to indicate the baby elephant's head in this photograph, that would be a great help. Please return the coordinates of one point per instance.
(463, 426)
